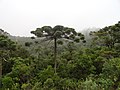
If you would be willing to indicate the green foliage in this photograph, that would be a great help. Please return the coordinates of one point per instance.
(60, 42)
(37, 86)
(108, 36)
(56, 33)
(111, 70)
(91, 66)
(26, 86)
(46, 73)
(89, 84)
(68, 84)
(48, 84)
(28, 44)
(21, 72)
(7, 82)
(6, 43)
(32, 37)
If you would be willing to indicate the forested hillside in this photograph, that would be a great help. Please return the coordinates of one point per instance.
(59, 58)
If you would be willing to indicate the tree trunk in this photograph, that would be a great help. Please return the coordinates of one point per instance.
(55, 54)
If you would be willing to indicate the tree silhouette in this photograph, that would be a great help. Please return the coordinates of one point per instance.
(56, 33)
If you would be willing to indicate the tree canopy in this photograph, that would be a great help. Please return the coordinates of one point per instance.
(54, 61)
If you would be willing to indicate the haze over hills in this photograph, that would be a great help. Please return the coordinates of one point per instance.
(85, 32)
(22, 40)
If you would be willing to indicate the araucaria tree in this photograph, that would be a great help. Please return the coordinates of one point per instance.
(57, 33)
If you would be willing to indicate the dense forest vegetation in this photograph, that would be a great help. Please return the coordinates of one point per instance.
(59, 58)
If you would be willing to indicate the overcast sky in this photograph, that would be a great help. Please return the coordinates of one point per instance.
(19, 17)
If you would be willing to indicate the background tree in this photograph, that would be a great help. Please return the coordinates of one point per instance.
(28, 44)
(6, 48)
(108, 36)
(57, 33)
(111, 70)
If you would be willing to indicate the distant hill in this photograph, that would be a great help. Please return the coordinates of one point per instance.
(40, 42)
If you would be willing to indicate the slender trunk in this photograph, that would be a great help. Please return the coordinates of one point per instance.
(55, 54)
